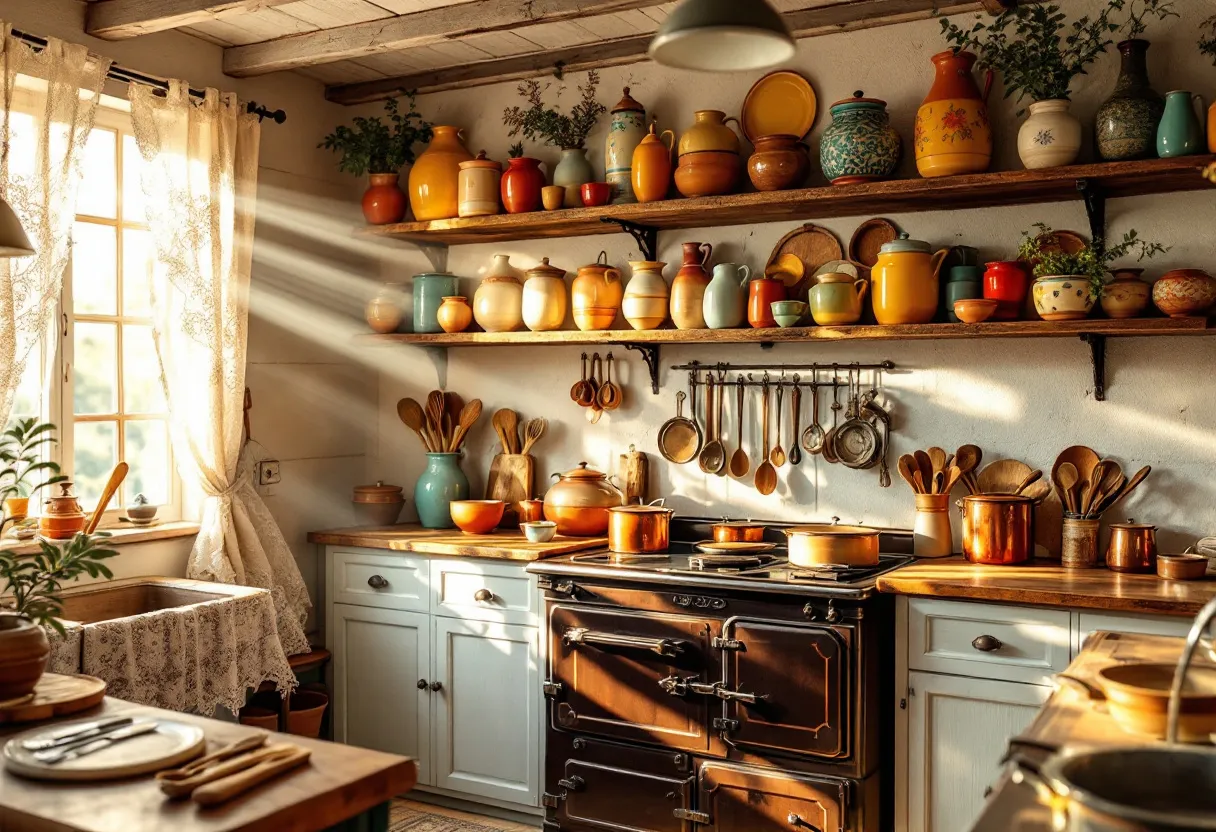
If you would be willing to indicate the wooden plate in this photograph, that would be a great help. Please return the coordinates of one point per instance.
(814, 245)
(781, 103)
(171, 744)
(55, 695)
(711, 547)
(869, 238)
(1002, 476)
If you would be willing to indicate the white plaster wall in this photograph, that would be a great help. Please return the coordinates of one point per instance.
(1025, 399)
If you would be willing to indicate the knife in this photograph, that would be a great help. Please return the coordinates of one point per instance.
(74, 733)
(60, 755)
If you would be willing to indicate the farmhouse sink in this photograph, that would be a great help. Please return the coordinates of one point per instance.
(96, 603)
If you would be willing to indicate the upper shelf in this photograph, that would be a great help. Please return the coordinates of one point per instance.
(1117, 179)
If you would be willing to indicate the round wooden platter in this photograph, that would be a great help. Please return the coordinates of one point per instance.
(869, 237)
(814, 245)
(170, 745)
(55, 695)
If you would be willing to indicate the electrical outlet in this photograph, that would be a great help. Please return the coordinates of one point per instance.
(268, 472)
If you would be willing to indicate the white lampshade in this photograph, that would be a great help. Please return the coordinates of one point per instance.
(13, 242)
(723, 36)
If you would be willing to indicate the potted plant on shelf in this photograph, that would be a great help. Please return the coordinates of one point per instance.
(1068, 282)
(1207, 46)
(568, 132)
(522, 182)
(1125, 126)
(1039, 55)
(20, 449)
(380, 150)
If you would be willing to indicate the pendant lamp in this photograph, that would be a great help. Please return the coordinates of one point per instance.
(723, 36)
(13, 241)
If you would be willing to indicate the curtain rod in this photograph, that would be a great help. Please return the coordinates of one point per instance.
(130, 76)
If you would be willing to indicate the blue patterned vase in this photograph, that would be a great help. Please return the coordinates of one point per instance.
(625, 133)
(860, 145)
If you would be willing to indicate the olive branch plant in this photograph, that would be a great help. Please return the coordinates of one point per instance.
(1207, 38)
(1138, 11)
(1041, 248)
(372, 146)
(549, 124)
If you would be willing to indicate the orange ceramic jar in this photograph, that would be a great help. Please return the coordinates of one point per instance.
(596, 295)
(651, 167)
(1212, 129)
(761, 294)
(435, 176)
(953, 135)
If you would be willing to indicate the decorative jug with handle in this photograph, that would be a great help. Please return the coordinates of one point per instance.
(596, 295)
(688, 288)
(906, 282)
(953, 134)
(1180, 133)
(836, 299)
(435, 177)
(725, 303)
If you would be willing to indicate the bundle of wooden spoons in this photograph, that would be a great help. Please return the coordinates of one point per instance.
(930, 471)
(1089, 485)
(231, 771)
(443, 424)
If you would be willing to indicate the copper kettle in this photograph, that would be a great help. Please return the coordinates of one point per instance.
(580, 500)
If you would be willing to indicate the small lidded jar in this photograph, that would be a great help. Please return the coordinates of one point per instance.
(479, 186)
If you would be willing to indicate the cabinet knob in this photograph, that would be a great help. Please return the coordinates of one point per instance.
(986, 643)
(796, 821)
(377, 582)
(436, 686)
(483, 596)
(422, 684)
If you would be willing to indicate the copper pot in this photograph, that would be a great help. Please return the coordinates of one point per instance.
(62, 516)
(738, 531)
(639, 530)
(580, 500)
(824, 545)
(1132, 548)
(531, 510)
(998, 529)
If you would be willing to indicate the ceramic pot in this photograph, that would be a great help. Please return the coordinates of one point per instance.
(625, 133)
(860, 145)
(651, 166)
(710, 133)
(572, 172)
(1063, 298)
(1005, 281)
(384, 202)
(595, 194)
(377, 505)
(953, 135)
(480, 184)
(62, 516)
(553, 197)
(435, 176)
(24, 651)
(1126, 295)
(709, 173)
(1184, 292)
(429, 292)
(688, 287)
(724, 305)
(931, 533)
(836, 299)
(961, 290)
(385, 312)
(596, 295)
(1125, 126)
(498, 304)
(455, 314)
(579, 501)
(521, 185)
(440, 484)
(544, 300)
(646, 296)
(778, 163)
(762, 293)
(1180, 133)
(905, 279)
(1050, 137)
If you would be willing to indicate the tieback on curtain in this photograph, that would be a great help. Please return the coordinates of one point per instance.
(226, 494)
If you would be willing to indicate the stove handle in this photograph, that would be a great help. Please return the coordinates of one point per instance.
(676, 686)
(799, 823)
(667, 647)
(739, 696)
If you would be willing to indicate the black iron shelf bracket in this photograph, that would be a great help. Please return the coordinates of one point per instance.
(1094, 195)
(650, 354)
(1097, 354)
(647, 236)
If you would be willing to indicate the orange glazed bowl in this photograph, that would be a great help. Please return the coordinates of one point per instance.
(477, 516)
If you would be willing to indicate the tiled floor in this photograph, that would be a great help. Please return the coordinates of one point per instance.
(493, 823)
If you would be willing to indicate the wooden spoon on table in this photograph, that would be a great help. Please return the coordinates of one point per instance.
(766, 475)
(1066, 478)
(469, 414)
(410, 413)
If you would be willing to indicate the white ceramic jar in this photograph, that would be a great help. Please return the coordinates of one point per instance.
(479, 185)
(646, 295)
(544, 299)
(498, 302)
(1050, 137)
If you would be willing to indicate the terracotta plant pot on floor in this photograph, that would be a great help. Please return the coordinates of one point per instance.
(306, 708)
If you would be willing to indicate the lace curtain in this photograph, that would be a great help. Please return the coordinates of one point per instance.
(45, 119)
(199, 182)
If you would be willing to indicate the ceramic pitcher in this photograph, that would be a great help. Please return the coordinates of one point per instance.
(688, 288)
(725, 303)
(836, 299)
(952, 131)
(435, 176)
(651, 165)
(596, 294)
(1180, 133)
(625, 133)
(906, 282)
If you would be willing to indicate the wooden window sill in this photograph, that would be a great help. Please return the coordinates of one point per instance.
(121, 535)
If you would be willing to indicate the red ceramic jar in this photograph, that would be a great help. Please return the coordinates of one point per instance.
(521, 185)
(383, 201)
(1005, 281)
(761, 293)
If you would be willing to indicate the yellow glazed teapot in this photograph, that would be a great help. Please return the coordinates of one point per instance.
(836, 299)
(905, 282)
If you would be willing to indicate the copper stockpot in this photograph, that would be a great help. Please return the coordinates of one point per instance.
(580, 500)
(738, 531)
(832, 545)
(998, 529)
(1132, 548)
(639, 530)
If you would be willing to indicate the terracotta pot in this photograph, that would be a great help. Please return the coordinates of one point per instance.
(646, 296)
(1127, 295)
(953, 135)
(762, 292)
(305, 710)
(255, 716)
(435, 176)
(480, 185)
(1184, 292)
(625, 133)
(596, 295)
(708, 173)
(498, 304)
(383, 202)
(1062, 297)
(688, 287)
(580, 500)
(639, 530)
(24, 651)
(379, 504)
(385, 312)
(521, 185)
(62, 516)
(779, 162)
(651, 168)
(455, 314)
(1050, 137)
(544, 300)
(709, 132)
(1005, 281)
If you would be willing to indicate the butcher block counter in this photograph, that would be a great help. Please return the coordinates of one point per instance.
(340, 789)
(503, 544)
(1048, 584)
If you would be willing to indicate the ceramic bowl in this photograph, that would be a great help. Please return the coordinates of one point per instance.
(1184, 292)
(1064, 298)
(787, 312)
(141, 513)
(553, 196)
(596, 194)
(477, 516)
(708, 173)
(539, 531)
(974, 310)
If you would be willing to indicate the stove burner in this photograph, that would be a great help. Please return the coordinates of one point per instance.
(729, 563)
(834, 572)
(621, 557)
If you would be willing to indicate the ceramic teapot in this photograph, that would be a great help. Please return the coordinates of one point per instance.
(579, 501)
(725, 303)
(651, 165)
(905, 281)
(836, 299)
(596, 295)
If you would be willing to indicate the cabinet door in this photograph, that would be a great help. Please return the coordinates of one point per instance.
(1089, 623)
(958, 731)
(380, 659)
(487, 714)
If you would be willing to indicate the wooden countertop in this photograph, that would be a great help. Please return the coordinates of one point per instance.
(411, 537)
(1050, 585)
(338, 783)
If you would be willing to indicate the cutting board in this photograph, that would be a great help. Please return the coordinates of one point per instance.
(510, 480)
(505, 544)
(55, 695)
(171, 744)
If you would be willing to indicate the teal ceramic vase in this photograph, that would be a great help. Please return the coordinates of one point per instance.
(440, 484)
(1179, 133)
(1125, 127)
(860, 145)
(572, 172)
(429, 292)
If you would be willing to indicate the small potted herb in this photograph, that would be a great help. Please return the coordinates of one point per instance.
(380, 150)
(1039, 55)
(522, 183)
(568, 132)
(1068, 282)
(1125, 126)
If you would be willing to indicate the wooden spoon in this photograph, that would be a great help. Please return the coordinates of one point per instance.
(499, 421)
(116, 477)
(469, 414)
(1066, 478)
(1082, 458)
(925, 466)
(777, 457)
(1030, 479)
(739, 463)
(953, 475)
(908, 470)
(410, 413)
(766, 475)
(1136, 479)
(937, 457)
(1091, 485)
(434, 417)
(968, 458)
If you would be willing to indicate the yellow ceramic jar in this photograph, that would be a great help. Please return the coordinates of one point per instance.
(905, 279)
(836, 299)
(709, 132)
(651, 165)
(952, 134)
(435, 176)
(596, 295)
(544, 297)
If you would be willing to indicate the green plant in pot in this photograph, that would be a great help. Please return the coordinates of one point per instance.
(1125, 126)
(381, 150)
(1067, 283)
(1039, 55)
(21, 457)
(538, 122)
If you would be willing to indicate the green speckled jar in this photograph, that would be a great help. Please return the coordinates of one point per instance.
(860, 145)
(1125, 126)
(440, 484)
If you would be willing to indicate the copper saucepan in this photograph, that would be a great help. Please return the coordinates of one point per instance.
(738, 531)
(998, 528)
(639, 530)
(832, 545)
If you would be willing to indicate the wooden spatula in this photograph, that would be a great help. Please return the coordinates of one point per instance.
(116, 477)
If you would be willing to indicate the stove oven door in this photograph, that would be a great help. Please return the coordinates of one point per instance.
(787, 688)
(748, 799)
(627, 676)
(610, 787)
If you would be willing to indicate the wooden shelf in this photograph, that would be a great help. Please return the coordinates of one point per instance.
(1115, 179)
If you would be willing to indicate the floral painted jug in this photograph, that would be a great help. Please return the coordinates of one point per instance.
(625, 133)
(953, 135)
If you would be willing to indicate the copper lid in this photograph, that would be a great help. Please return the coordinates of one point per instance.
(582, 472)
(1010, 499)
(481, 162)
(378, 493)
(739, 524)
(1132, 525)
(627, 103)
(832, 530)
(543, 269)
(639, 509)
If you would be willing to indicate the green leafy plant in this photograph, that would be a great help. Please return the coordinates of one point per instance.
(375, 147)
(541, 123)
(516, 151)
(1037, 53)
(35, 581)
(1042, 249)
(1138, 11)
(20, 455)
(1207, 38)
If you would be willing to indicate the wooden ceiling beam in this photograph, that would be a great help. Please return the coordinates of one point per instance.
(412, 30)
(119, 19)
(822, 20)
